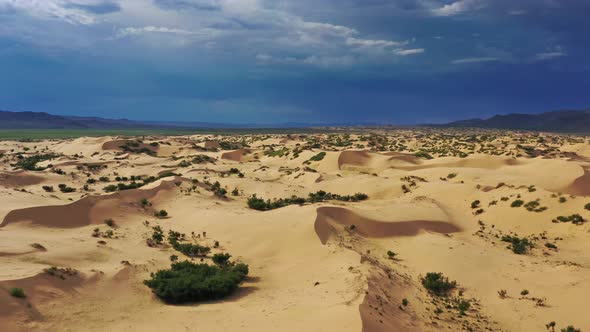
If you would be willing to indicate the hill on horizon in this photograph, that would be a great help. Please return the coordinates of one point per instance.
(558, 121)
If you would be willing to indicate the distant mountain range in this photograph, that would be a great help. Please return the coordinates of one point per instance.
(42, 120)
(557, 121)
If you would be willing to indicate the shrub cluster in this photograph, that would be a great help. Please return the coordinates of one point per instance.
(438, 284)
(575, 219)
(518, 245)
(320, 196)
(30, 163)
(190, 282)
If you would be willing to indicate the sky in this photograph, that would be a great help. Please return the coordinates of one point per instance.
(294, 61)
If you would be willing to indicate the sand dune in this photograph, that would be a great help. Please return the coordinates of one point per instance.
(19, 179)
(354, 158)
(580, 186)
(116, 145)
(90, 209)
(309, 269)
(40, 289)
(239, 155)
(328, 217)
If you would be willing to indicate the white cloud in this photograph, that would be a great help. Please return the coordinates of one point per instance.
(52, 9)
(351, 41)
(474, 60)
(458, 7)
(549, 55)
(410, 51)
(313, 60)
(130, 31)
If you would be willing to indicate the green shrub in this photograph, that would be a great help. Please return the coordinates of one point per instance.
(190, 282)
(519, 246)
(318, 157)
(221, 259)
(30, 163)
(161, 214)
(574, 218)
(423, 154)
(110, 222)
(17, 292)
(191, 249)
(571, 329)
(463, 306)
(587, 206)
(438, 284)
(475, 204)
(550, 245)
(517, 203)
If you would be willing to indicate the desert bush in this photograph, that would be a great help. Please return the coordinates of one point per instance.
(318, 157)
(475, 204)
(17, 292)
(161, 214)
(109, 222)
(221, 259)
(571, 328)
(438, 284)
(48, 189)
(574, 218)
(158, 234)
(518, 245)
(423, 154)
(463, 306)
(517, 203)
(190, 282)
(30, 163)
(550, 245)
(391, 254)
(587, 206)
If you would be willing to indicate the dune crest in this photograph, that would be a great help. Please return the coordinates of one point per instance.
(88, 210)
(328, 217)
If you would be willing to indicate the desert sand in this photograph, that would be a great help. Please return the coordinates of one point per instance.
(438, 201)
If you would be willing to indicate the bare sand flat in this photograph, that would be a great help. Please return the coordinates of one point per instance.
(338, 230)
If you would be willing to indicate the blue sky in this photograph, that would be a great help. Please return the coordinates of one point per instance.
(262, 61)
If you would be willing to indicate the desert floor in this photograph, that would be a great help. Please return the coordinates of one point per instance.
(439, 200)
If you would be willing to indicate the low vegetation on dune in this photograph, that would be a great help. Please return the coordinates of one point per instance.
(438, 284)
(320, 196)
(17, 292)
(519, 246)
(30, 163)
(190, 282)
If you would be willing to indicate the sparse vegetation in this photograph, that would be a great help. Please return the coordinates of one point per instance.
(519, 246)
(575, 219)
(161, 214)
(438, 284)
(17, 292)
(320, 196)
